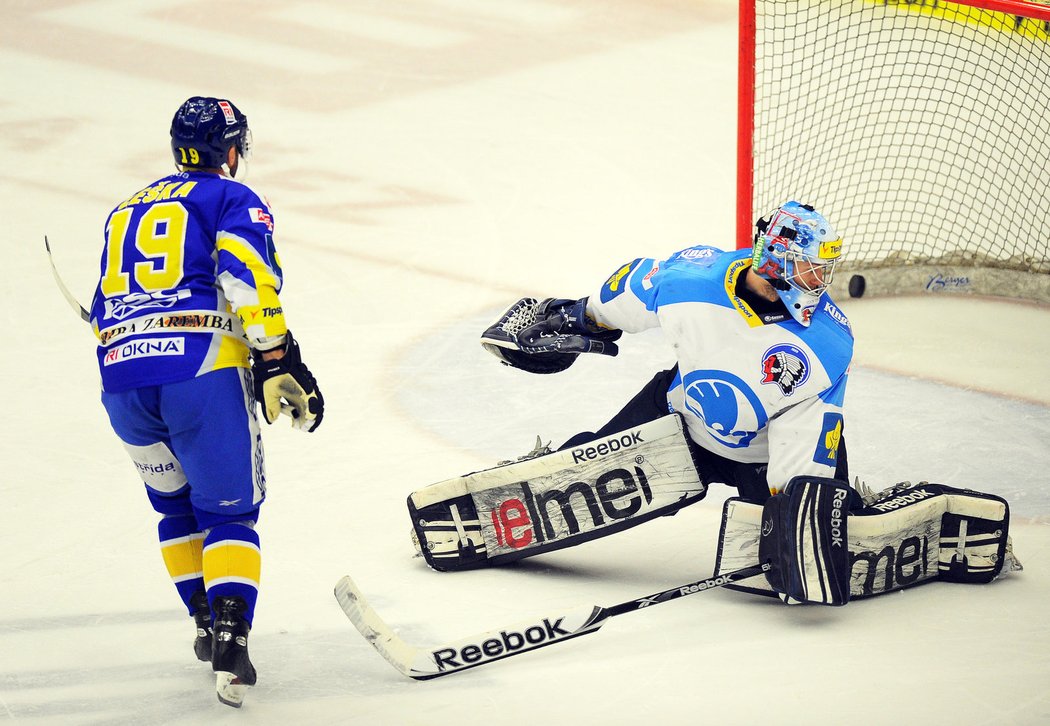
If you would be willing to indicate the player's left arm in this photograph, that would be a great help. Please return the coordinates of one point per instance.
(251, 278)
(249, 271)
(627, 299)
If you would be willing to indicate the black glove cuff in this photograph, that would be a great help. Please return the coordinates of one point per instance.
(288, 363)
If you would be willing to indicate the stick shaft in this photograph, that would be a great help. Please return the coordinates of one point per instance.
(73, 302)
(483, 648)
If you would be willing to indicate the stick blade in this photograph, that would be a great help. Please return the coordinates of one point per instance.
(374, 629)
(471, 652)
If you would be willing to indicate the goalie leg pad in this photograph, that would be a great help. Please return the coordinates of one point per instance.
(556, 500)
(804, 538)
(904, 536)
(974, 537)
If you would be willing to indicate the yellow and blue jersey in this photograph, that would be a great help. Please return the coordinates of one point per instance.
(189, 279)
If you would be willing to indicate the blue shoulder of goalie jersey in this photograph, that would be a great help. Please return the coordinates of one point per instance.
(830, 336)
(644, 276)
(699, 274)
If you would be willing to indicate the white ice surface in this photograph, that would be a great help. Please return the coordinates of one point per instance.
(429, 161)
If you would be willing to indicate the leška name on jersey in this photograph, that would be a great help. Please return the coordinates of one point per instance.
(751, 386)
(189, 278)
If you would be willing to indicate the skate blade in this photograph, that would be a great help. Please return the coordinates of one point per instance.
(230, 689)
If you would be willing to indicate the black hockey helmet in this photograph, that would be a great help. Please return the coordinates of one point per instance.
(204, 129)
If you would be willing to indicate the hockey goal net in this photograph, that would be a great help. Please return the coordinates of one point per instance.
(920, 129)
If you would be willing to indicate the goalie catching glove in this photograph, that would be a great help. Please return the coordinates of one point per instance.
(288, 379)
(547, 336)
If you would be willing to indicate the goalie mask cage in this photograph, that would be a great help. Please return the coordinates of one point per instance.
(921, 130)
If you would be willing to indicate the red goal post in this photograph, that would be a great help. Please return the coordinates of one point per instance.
(920, 129)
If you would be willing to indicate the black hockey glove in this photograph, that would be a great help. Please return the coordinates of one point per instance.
(562, 327)
(552, 345)
(288, 379)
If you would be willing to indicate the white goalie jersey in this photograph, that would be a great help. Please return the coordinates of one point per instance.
(753, 386)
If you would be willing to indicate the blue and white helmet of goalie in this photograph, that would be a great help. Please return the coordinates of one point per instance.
(204, 129)
(796, 250)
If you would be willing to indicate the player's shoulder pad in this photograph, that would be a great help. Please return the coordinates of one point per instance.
(830, 337)
(702, 262)
(617, 282)
(243, 196)
(239, 190)
(702, 256)
(828, 310)
(697, 274)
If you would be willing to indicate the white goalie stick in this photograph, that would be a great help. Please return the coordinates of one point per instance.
(73, 303)
(477, 650)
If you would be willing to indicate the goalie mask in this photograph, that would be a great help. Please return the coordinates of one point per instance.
(796, 250)
(204, 129)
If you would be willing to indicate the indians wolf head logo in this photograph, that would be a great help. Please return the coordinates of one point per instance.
(785, 365)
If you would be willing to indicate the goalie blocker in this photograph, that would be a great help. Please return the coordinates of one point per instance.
(804, 539)
(904, 536)
(556, 500)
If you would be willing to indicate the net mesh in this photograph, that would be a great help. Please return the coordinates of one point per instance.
(921, 130)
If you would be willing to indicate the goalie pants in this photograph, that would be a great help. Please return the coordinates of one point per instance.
(651, 403)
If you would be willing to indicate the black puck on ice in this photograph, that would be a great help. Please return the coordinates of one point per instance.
(856, 286)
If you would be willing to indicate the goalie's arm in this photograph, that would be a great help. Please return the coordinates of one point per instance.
(627, 301)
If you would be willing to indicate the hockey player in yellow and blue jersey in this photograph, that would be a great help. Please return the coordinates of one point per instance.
(187, 296)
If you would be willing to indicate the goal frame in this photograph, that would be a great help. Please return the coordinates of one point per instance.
(860, 279)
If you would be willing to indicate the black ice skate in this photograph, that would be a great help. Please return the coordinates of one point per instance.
(202, 617)
(234, 671)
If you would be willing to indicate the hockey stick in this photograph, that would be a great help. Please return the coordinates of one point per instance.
(477, 650)
(77, 307)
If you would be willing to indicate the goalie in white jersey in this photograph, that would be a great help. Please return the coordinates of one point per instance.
(763, 352)
(763, 357)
